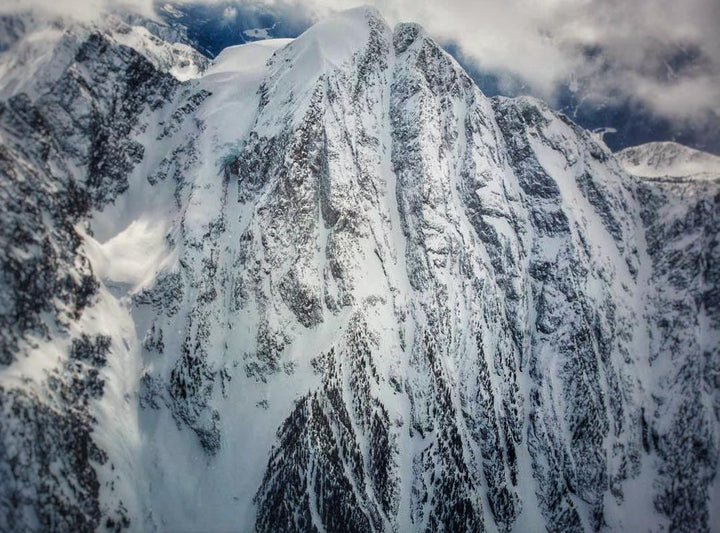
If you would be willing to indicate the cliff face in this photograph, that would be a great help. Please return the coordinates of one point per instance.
(325, 284)
(678, 193)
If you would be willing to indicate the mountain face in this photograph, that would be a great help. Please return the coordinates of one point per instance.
(325, 284)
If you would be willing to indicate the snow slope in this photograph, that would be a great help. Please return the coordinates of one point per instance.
(325, 284)
(668, 159)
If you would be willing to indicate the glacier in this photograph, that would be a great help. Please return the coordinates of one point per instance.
(325, 284)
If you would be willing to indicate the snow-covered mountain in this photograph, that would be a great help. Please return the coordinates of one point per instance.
(325, 284)
(669, 160)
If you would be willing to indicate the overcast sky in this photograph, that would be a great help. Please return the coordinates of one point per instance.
(661, 54)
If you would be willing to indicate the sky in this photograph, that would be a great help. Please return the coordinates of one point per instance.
(601, 61)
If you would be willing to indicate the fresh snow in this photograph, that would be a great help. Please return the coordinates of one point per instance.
(669, 159)
(408, 251)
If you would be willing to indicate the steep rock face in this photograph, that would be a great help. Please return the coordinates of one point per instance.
(683, 430)
(49, 455)
(66, 147)
(582, 264)
(338, 288)
(680, 194)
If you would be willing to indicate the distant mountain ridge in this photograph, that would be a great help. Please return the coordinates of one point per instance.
(668, 159)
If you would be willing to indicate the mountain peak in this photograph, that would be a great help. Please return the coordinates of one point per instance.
(668, 159)
(327, 285)
(341, 35)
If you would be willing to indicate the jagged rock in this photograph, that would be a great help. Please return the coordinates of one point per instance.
(331, 286)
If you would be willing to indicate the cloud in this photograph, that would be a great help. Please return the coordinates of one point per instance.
(229, 14)
(83, 10)
(663, 55)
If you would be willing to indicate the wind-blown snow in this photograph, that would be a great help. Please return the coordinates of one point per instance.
(132, 256)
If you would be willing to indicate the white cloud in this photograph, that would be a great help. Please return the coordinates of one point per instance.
(230, 14)
(610, 48)
(84, 10)
(664, 54)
